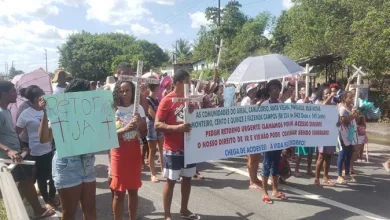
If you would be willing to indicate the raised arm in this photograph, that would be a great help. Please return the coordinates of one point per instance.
(44, 132)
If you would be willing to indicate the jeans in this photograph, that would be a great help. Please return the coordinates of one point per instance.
(44, 165)
(344, 157)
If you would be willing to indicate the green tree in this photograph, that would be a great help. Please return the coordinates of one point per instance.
(95, 56)
(182, 50)
(204, 46)
(250, 41)
(13, 72)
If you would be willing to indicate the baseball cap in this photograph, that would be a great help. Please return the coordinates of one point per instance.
(250, 87)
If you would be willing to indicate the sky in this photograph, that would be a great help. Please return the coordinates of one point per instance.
(28, 27)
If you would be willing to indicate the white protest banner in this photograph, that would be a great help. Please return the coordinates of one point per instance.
(235, 131)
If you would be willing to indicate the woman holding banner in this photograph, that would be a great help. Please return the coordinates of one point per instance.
(126, 161)
(325, 97)
(74, 177)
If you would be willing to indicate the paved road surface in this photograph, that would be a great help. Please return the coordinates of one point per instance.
(224, 194)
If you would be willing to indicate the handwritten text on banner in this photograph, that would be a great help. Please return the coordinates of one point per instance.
(82, 122)
(234, 131)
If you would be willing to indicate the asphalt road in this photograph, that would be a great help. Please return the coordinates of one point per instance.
(224, 194)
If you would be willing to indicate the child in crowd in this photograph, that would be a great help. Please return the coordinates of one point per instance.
(154, 138)
(126, 161)
(347, 138)
(272, 158)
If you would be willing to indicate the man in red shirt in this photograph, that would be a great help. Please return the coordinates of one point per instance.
(170, 121)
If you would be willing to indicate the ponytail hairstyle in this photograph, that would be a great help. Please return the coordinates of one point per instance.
(22, 92)
(33, 92)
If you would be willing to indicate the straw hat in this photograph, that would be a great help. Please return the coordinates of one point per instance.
(56, 72)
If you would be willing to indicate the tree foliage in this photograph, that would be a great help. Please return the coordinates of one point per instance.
(182, 50)
(242, 36)
(95, 56)
(13, 72)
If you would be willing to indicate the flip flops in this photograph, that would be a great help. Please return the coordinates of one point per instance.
(192, 216)
(267, 200)
(328, 182)
(280, 195)
(154, 179)
(255, 186)
(47, 213)
(341, 182)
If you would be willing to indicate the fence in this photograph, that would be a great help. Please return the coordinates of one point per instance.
(12, 201)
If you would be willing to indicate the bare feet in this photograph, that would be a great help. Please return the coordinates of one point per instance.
(154, 179)
(297, 174)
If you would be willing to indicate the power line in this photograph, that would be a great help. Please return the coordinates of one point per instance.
(179, 19)
(250, 3)
(171, 17)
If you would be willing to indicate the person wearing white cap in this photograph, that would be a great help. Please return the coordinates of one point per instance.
(251, 95)
(253, 159)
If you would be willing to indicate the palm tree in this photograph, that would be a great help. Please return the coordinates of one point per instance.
(183, 50)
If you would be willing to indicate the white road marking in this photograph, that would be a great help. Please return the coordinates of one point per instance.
(313, 196)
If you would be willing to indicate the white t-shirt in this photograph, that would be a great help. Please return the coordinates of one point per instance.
(30, 120)
(123, 116)
(300, 101)
(246, 101)
(58, 90)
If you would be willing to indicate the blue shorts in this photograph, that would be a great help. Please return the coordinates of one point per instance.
(72, 171)
(271, 163)
(153, 135)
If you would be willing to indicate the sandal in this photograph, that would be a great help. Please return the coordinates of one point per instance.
(198, 176)
(351, 179)
(192, 216)
(47, 213)
(267, 199)
(328, 182)
(255, 186)
(317, 183)
(280, 195)
(154, 179)
(341, 181)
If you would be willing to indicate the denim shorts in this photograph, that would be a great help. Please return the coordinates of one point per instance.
(72, 171)
(153, 135)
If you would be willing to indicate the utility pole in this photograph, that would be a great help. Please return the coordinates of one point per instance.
(46, 59)
(219, 13)
(219, 24)
(6, 69)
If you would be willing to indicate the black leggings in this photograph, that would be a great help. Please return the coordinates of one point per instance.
(43, 167)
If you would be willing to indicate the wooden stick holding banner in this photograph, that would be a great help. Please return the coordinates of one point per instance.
(187, 99)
